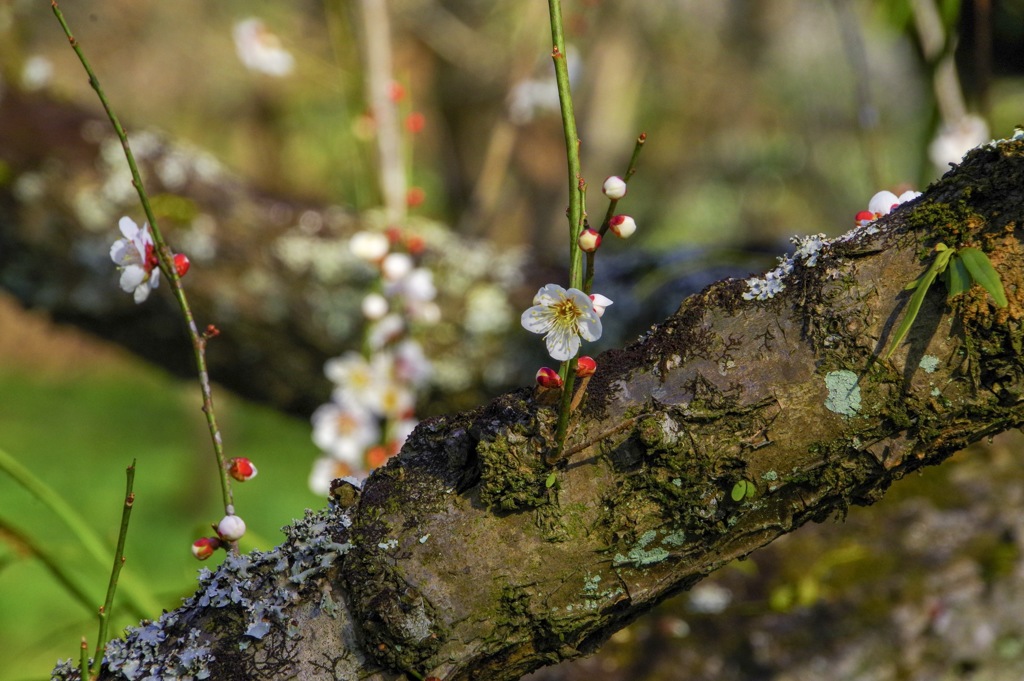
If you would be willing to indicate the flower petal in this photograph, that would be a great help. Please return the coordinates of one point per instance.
(128, 227)
(538, 319)
(562, 343)
(132, 277)
(590, 326)
(549, 294)
(141, 293)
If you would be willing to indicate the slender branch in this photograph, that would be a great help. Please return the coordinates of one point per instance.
(588, 279)
(166, 261)
(572, 142)
(115, 570)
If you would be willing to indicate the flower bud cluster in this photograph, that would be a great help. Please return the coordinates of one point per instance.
(565, 316)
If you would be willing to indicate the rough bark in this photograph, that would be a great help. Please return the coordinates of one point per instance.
(458, 561)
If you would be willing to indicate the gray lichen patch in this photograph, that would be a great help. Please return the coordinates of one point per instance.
(261, 587)
(929, 364)
(843, 393)
(639, 555)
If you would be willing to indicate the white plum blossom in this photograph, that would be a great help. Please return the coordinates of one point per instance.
(260, 50)
(374, 306)
(135, 256)
(325, 470)
(395, 266)
(953, 141)
(411, 363)
(344, 429)
(369, 246)
(563, 316)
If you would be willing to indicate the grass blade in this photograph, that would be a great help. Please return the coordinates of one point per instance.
(140, 601)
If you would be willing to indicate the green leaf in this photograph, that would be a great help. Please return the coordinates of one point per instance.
(957, 278)
(739, 490)
(982, 271)
(550, 482)
(914, 306)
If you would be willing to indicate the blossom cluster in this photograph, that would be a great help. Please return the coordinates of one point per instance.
(566, 317)
(809, 247)
(372, 406)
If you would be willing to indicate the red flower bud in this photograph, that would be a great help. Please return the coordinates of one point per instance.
(241, 469)
(863, 217)
(585, 366)
(548, 378)
(204, 548)
(181, 264)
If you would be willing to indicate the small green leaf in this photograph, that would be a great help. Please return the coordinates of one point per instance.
(739, 490)
(982, 271)
(550, 482)
(751, 490)
(957, 278)
(914, 305)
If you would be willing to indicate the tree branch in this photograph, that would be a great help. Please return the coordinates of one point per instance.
(457, 561)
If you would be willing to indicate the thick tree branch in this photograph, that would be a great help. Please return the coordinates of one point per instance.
(457, 561)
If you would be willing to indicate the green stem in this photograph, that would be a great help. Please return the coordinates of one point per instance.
(115, 571)
(166, 260)
(83, 660)
(572, 143)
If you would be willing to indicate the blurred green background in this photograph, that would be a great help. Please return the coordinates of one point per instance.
(765, 118)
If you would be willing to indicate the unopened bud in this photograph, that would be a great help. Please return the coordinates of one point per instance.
(585, 366)
(548, 378)
(589, 240)
(181, 264)
(863, 217)
(242, 470)
(614, 187)
(204, 548)
(622, 225)
(882, 203)
(231, 528)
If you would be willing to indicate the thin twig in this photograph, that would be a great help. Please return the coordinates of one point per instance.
(115, 571)
(166, 260)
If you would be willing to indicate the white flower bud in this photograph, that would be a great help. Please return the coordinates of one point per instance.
(623, 226)
(614, 187)
(589, 240)
(231, 528)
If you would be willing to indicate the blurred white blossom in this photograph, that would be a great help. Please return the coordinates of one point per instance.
(260, 50)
